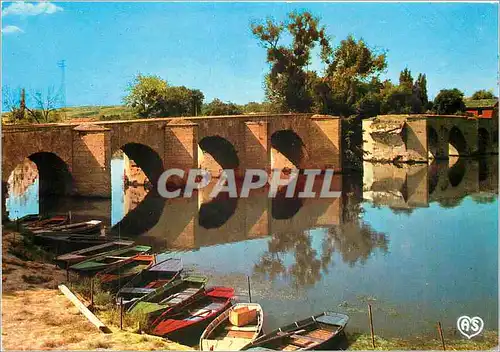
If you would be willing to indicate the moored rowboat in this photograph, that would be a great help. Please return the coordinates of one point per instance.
(174, 293)
(90, 252)
(222, 335)
(53, 221)
(91, 226)
(149, 280)
(109, 259)
(114, 277)
(313, 333)
(185, 321)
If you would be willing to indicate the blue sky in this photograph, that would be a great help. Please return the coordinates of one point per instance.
(209, 46)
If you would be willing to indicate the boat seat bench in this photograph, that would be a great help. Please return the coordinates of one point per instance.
(309, 338)
(136, 290)
(241, 328)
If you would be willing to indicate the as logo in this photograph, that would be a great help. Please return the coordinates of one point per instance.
(470, 327)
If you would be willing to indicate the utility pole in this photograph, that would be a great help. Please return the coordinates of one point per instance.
(22, 104)
(62, 90)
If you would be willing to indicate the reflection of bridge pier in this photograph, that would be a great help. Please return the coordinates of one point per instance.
(399, 186)
(199, 221)
(447, 182)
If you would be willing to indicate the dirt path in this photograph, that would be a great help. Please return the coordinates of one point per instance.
(35, 315)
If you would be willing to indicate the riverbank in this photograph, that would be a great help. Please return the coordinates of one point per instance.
(35, 315)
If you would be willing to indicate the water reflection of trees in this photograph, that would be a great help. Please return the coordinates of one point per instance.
(291, 256)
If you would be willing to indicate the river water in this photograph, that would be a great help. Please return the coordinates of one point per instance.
(419, 243)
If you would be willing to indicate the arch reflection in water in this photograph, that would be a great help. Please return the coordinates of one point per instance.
(41, 175)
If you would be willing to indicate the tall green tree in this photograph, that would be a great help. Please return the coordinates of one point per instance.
(145, 95)
(483, 94)
(421, 84)
(351, 73)
(449, 101)
(151, 96)
(406, 79)
(289, 86)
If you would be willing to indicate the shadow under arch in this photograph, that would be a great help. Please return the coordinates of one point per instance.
(221, 150)
(53, 173)
(483, 141)
(217, 211)
(288, 143)
(148, 212)
(432, 140)
(146, 158)
(456, 173)
(283, 208)
(457, 140)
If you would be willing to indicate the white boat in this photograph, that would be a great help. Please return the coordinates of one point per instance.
(222, 335)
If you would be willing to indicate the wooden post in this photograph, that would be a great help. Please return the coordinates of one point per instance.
(249, 290)
(370, 316)
(92, 292)
(121, 313)
(67, 272)
(440, 331)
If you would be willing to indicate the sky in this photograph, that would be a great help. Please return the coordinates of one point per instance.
(209, 46)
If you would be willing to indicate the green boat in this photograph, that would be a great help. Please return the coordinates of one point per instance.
(109, 259)
(174, 293)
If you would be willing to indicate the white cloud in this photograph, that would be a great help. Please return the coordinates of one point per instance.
(22, 8)
(11, 30)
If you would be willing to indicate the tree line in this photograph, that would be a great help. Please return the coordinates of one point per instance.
(348, 83)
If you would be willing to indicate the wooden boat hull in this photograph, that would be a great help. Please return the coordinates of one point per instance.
(313, 333)
(87, 227)
(221, 335)
(149, 280)
(47, 223)
(178, 292)
(109, 260)
(186, 322)
(120, 274)
(93, 251)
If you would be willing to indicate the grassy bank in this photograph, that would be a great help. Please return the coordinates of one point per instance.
(488, 340)
(36, 316)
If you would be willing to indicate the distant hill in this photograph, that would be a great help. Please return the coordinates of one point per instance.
(96, 113)
(88, 113)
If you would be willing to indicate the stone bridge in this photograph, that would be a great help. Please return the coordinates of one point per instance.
(75, 159)
(419, 138)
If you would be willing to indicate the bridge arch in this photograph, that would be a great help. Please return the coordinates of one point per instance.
(457, 142)
(53, 173)
(433, 141)
(216, 153)
(287, 150)
(146, 159)
(483, 141)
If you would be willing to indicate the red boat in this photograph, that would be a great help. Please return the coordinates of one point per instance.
(188, 321)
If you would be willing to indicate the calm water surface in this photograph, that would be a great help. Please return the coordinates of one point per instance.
(419, 243)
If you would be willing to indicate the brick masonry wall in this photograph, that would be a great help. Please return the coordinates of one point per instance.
(92, 163)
